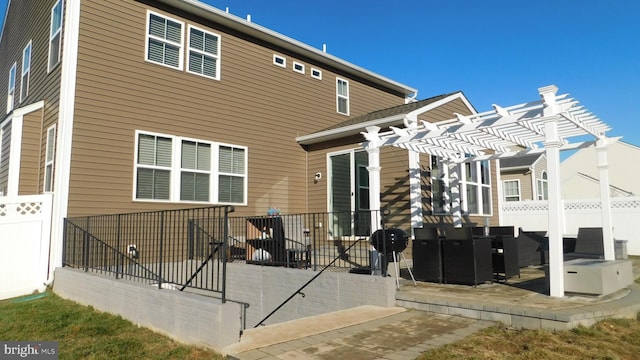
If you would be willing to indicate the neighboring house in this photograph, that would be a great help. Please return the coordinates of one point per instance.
(524, 178)
(580, 172)
(123, 106)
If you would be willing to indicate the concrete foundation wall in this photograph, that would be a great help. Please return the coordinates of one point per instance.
(264, 288)
(188, 318)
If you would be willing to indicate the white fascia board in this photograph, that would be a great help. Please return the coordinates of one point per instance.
(346, 130)
(237, 23)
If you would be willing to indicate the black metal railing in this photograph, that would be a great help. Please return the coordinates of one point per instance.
(310, 240)
(170, 249)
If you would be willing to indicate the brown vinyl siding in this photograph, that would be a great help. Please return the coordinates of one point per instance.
(30, 154)
(255, 104)
(28, 21)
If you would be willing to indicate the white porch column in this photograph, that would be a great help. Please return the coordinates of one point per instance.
(552, 145)
(454, 184)
(373, 150)
(605, 200)
(415, 190)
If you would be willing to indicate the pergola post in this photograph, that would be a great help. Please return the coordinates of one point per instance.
(373, 151)
(605, 200)
(454, 183)
(552, 150)
(415, 190)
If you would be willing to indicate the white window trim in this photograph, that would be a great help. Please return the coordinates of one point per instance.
(479, 186)
(297, 65)
(11, 88)
(180, 45)
(25, 72)
(53, 35)
(217, 56)
(340, 96)
(505, 196)
(176, 169)
(49, 160)
(540, 182)
(319, 73)
(278, 57)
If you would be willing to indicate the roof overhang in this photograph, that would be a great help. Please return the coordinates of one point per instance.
(259, 32)
(498, 133)
(404, 118)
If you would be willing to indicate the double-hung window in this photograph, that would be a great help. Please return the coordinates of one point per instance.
(477, 181)
(176, 169)
(164, 40)
(204, 53)
(26, 72)
(55, 35)
(11, 91)
(48, 165)
(511, 190)
(232, 174)
(154, 159)
(342, 96)
(195, 171)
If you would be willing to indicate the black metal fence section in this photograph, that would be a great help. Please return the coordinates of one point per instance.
(311, 240)
(174, 249)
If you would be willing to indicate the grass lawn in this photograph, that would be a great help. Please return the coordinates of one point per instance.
(84, 333)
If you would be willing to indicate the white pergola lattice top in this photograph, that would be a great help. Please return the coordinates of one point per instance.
(545, 126)
(501, 132)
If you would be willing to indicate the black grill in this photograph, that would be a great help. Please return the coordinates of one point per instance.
(387, 241)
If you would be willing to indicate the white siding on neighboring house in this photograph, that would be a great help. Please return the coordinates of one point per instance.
(580, 173)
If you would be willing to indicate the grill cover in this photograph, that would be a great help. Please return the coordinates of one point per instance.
(389, 240)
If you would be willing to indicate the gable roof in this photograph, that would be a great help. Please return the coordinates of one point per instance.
(259, 32)
(519, 161)
(392, 116)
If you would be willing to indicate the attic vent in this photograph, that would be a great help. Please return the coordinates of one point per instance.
(297, 67)
(279, 60)
(316, 74)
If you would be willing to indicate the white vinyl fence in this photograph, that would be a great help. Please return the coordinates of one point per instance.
(25, 227)
(534, 216)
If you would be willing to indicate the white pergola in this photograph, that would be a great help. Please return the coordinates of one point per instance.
(544, 125)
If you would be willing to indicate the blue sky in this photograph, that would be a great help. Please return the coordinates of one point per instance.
(495, 51)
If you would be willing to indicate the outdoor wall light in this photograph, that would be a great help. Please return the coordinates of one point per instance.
(318, 176)
(133, 251)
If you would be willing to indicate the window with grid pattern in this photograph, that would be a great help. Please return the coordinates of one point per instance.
(511, 190)
(164, 40)
(177, 169)
(204, 53)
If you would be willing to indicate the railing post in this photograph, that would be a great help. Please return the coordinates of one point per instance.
(85, 247)
(65, 239)
(119, 260)
(225, 242)
(160, 253)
